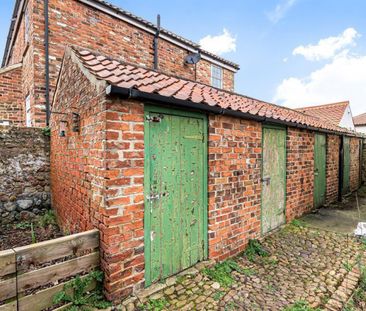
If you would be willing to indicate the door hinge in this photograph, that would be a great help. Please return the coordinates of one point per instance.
(155, 118)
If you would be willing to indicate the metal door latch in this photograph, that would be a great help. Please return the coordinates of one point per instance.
(154, 118)
(152, 197)
(157, 196)
(266, 180)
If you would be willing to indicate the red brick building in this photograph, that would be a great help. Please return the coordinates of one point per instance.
(40, 31)
(173, 171)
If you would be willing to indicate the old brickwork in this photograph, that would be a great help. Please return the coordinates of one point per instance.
(74, 23)
(332, 168)
(24, 173)
(364, 161)
(300, 172)
(234, 184)
(11, 97)
(98, 176)
(354, 163)
(78, 159)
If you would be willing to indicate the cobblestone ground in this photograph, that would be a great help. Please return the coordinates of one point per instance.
(303, 265)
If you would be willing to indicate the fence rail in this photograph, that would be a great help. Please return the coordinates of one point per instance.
(30, 276)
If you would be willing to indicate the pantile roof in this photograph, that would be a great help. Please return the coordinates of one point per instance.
(126, 76)
(330, 112)
(360, 119)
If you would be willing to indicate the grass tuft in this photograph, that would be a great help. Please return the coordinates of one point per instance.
(255, 249)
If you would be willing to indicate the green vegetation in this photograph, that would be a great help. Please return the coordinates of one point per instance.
(221, 272)
(298, 223)
(77, 294)
(155, 304)
(46, 131)
(47, 219)
(301, 306)
(33, 234)
(347, 266)
(255, 249)
(230, 306)
(218, 295)
(23, 225)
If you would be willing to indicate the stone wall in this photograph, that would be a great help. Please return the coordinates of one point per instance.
(24, 173)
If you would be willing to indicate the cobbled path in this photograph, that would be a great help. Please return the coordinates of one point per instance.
(304, 265)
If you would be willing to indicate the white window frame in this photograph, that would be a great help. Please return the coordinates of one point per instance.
(28, 116)
(216, 80)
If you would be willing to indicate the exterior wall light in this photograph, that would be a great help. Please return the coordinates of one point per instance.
(63, 127)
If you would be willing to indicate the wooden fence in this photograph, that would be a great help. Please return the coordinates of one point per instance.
(30, 276)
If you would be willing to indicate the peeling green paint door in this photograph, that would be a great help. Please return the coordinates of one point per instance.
(273, 178)
(320, 158)
(175, 191)
(346, 166)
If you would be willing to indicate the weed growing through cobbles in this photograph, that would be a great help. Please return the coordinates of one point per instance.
(300, 306)
(221, 272)
(255, 249)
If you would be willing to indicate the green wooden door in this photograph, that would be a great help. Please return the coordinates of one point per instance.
(320, 158)
(346, 165)
(273, 178)
(175, 191)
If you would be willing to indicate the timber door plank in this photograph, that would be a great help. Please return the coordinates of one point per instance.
(273, 178)
(320, 158)
(175, 190)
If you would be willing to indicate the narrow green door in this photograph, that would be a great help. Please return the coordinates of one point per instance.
(273, 178)
(320, 158)
(175, 191)
(346, 166)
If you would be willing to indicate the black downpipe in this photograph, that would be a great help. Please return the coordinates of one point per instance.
(341, 164)
(156, 44)
(47, 58)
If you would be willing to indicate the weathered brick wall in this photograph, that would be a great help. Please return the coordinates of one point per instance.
(234, 184)
(125, 196)
(24, 173)
(354, 163)
(78, 159)
(332, 167)
(97, 175)
(73, 23)
(11, 97)
(300, 172)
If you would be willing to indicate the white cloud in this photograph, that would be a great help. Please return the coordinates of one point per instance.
(327, 48)
(219, 44)
(280, 10)
(342, 79)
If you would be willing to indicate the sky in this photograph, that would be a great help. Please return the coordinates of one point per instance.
(291, 52)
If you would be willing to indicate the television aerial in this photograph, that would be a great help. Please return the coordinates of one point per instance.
(193, 58)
